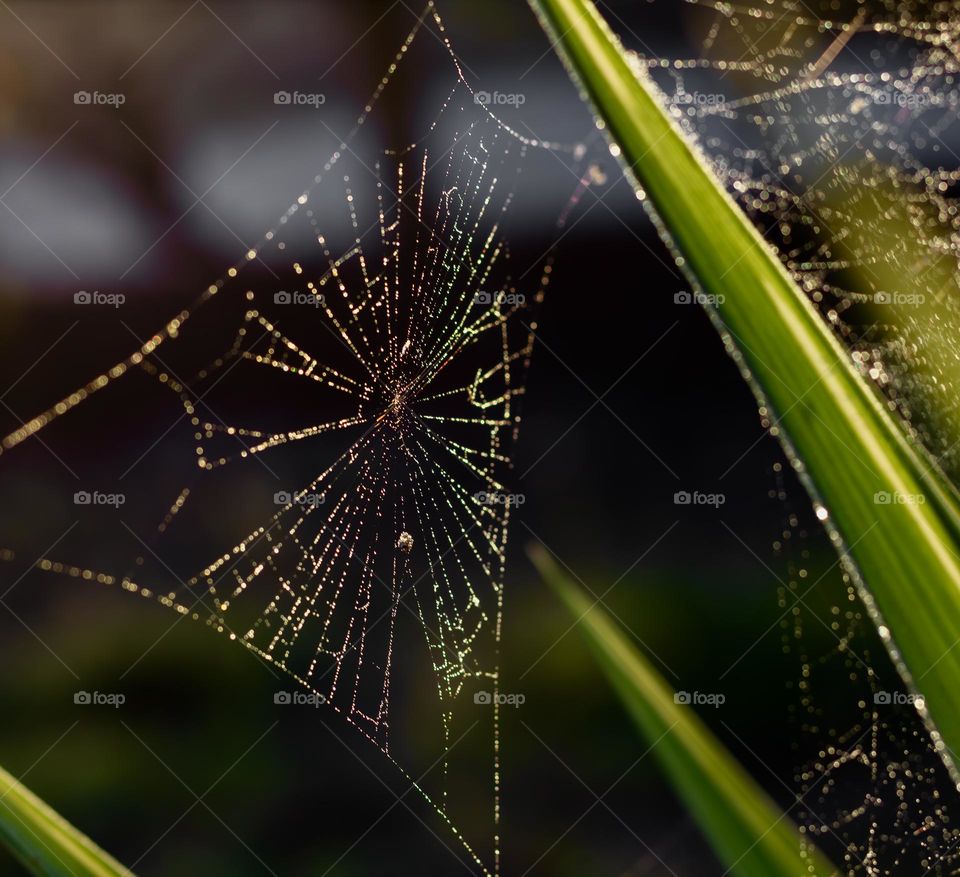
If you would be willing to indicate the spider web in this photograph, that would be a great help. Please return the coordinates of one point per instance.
(834, 126)
(870, 784)
(382, 311)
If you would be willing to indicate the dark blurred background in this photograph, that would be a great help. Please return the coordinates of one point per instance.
(631, 398)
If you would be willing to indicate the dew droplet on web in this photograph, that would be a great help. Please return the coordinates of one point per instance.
(596, 175)
(374, 298)
(833, 126)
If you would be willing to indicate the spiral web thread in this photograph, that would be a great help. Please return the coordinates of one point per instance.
(416, 343)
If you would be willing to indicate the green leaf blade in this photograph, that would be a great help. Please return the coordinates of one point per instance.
(44, 842)
(852, 451)
(746, 829)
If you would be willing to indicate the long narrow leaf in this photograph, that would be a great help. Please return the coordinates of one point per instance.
(885, 503)
(44, 842)
(748, 832)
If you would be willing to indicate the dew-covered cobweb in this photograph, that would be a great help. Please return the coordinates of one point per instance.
(368, 562)
(835, 127)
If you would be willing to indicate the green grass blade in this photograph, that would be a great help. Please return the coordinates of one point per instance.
(44, 842)
(746, 829)
(852, 451)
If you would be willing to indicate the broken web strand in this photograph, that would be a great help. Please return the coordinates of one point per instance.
(874, 783)
(407, 321)
(835, 166)
(831, 124)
